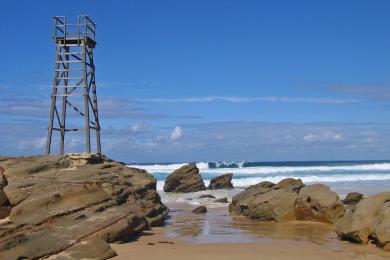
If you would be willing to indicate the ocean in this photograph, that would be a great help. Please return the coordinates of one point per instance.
(367, 177)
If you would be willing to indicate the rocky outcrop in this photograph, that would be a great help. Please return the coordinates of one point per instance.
(267, 201)
(288, 200)
(353, 198)
(369, 220)
(185, 179)
(318, 202)
(199, 210)
(221, 182)
(74, 206)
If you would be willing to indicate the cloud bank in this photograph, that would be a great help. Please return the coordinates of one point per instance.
(239, 99)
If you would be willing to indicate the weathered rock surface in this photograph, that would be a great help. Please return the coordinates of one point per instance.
(267, 201)
(74, 205)
(353, 198)
(221, 182)
(206, 196)
(199, 210)
(369, 220)
(318, 202)
(185, 179)
(222, 200)
(288, 200)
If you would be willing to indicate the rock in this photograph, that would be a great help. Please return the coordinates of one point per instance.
(3, 199)
(268, 202)
(199, 210)
(74, 206)
(318, 202)
(206, 196)
(353, 198)
(4, 205)
(185, 179)
(95, 249)
(4, 211)
(221, 200)
(288, 200)
(221, 182)
(289, 183)
(263, 184)
(3, 180)
(369, 220)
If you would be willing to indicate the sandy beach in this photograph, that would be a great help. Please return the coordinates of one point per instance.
(216, 235)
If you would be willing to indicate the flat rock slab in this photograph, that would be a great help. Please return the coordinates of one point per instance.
(74, 206)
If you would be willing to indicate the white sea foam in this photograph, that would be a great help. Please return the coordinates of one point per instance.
(167, 168)
(203, 167)
(245, 182)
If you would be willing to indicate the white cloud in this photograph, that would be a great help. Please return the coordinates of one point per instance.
(322, 137)
(310, 138)
(176, 133)
(34, 143)
(138, 127)
(238, 99)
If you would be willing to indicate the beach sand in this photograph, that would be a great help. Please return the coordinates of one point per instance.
(217, 235)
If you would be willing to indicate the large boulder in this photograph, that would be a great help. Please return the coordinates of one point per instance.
(185, 179)
(221, 182)
(318, 202)
(369, 220)
(267, 201)
(288, 200)
(74, 206)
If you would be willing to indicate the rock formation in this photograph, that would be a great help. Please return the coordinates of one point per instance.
(73, 206)
(199, 210)
(353, 198)
(221, 182)
(185, 179)
(369, 220)
(288, 200)
(267, 201)
(318, 202)
(221, 200)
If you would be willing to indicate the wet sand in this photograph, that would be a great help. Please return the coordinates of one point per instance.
(217, 235)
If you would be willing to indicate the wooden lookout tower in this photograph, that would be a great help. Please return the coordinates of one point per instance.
(74, 81)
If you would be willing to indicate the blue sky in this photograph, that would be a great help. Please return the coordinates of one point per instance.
(210, 80)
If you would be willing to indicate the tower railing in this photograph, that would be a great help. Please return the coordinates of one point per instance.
(85, 28)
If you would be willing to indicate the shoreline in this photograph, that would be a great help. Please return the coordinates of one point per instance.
(190, 236)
